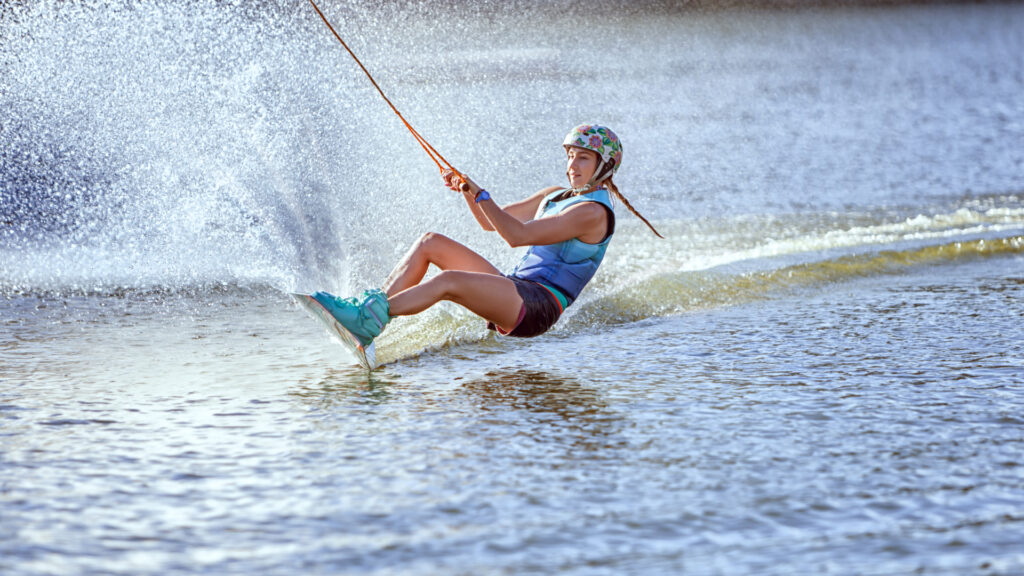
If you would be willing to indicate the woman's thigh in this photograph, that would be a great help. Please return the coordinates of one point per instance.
(493, 298)
(490, 296)
(447, 254)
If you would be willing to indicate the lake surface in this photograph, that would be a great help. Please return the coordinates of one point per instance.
(820, 370)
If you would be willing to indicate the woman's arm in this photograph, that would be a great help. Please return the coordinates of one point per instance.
(522, 210)
(526, 209)
(475, 209)
(586, 221)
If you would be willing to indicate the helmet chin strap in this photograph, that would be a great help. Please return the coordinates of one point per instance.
(592, 184)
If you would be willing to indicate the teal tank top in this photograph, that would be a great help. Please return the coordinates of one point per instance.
(567, 266)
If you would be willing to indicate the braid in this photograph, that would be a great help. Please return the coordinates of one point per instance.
(615, 190)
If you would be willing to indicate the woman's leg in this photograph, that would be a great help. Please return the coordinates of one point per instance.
(490, 296)
(441, 251)
(466, 278)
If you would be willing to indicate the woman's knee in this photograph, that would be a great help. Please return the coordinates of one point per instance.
(432, 243)
(450, 281)
(448, 254)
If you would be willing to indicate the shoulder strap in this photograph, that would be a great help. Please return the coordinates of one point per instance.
(555, 196)
(599, 196)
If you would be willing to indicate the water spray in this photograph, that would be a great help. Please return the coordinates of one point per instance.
(433, 153)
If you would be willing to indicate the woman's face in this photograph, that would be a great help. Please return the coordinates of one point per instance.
(582, 164)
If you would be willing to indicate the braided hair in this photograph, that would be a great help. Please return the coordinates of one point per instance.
(615, 192)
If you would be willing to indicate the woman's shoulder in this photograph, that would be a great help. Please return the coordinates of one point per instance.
(550, 190)
(544, 195)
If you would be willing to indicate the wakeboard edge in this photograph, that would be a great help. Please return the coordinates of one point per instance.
(366, 356)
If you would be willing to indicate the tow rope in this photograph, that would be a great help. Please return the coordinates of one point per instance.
(434, 154)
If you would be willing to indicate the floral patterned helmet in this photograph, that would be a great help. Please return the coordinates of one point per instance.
(598, 139)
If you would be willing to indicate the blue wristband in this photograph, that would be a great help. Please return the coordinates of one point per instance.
(482, 195)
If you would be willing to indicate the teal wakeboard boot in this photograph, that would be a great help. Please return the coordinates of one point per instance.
(365, 318)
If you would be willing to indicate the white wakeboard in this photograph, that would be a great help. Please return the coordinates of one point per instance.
(366, 355)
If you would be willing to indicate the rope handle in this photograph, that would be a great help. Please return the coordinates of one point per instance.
(430, 150)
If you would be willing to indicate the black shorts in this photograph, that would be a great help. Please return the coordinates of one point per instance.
(539, 313)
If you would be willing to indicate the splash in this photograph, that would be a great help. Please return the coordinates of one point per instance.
(176, 144)
(179, 146)
(735, 277)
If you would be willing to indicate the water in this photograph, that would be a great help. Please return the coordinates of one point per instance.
(820, 370)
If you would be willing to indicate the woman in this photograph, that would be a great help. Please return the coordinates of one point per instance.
(567, 230)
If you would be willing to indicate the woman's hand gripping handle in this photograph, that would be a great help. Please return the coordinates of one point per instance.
(459, 182)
